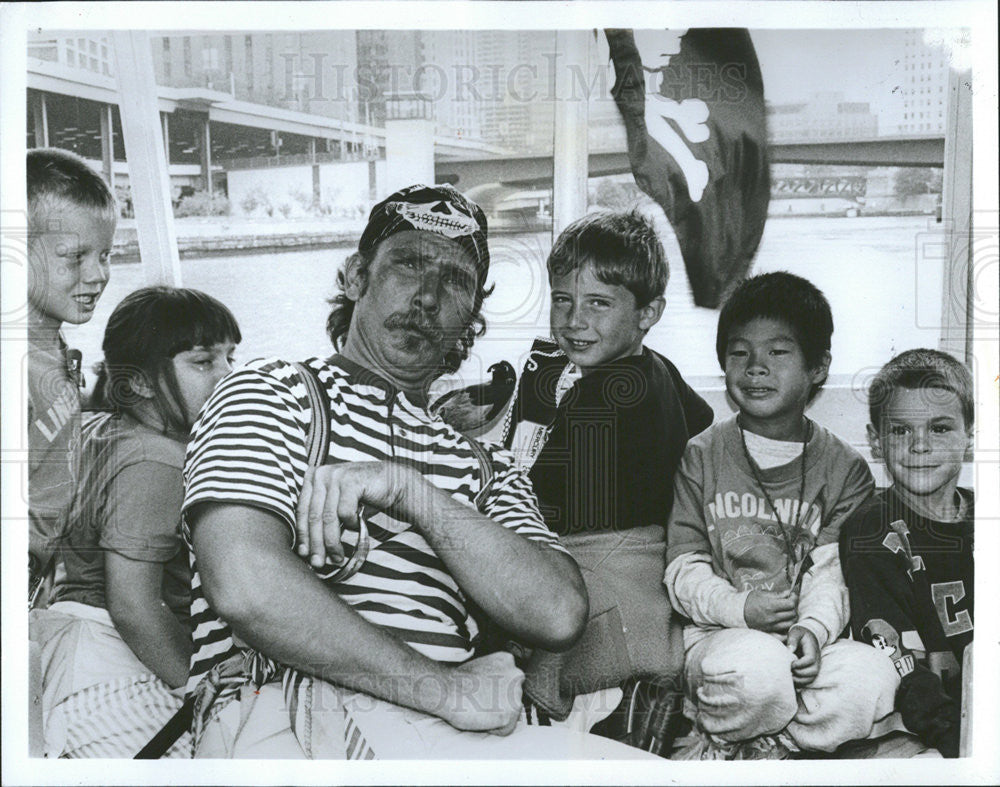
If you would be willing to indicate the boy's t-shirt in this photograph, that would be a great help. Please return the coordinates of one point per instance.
(606, 447)
(53, 442)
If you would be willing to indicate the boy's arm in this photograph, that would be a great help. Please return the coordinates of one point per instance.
(697, 411)
(824, 608)
(823, 602)
(882, 609)
(694, 588)
(697, 591)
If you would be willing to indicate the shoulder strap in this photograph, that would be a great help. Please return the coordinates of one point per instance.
(317, 452)
(318, 438)
(486, 472)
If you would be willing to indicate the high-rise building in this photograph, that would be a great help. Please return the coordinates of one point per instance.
(517, 80)
(88, 52)
(919, 102)
(307, 72)
(388, 64)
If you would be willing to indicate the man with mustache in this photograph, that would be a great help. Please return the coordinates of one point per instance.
(291, 657)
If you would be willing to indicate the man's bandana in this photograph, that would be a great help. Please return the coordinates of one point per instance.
(439, 209)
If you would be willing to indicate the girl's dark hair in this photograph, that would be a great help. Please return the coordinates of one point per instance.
(145, 331)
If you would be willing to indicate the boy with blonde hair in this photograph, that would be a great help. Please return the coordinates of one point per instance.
(71, 226)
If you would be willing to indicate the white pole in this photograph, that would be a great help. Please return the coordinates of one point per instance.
(144, 151)
(570, 150)
(956, 213)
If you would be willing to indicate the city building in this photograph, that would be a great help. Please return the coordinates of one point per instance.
(825, 117)
(919, 103)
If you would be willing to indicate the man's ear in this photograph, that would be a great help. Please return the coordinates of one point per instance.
(874, 441)
(821, 370)
(651, 313)
(355, 278)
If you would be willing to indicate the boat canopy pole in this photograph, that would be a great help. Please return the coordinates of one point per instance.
(144, 151)
(957, 293)
(570, 145)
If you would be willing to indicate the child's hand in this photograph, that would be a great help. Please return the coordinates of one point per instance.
(802, 642)
(774, 612)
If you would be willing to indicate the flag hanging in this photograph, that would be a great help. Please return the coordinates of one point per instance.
(693, 105)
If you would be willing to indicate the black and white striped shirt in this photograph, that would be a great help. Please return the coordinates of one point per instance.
(249, 449)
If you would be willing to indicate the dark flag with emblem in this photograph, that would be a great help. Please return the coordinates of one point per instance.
(694, 115)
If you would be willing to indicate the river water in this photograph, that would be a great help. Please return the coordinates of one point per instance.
(882, 276)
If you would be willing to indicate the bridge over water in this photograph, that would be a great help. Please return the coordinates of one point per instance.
(489, 179)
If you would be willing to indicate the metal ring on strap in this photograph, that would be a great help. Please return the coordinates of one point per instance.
(352, 566)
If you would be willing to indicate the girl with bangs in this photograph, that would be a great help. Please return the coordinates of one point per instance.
(116, 641)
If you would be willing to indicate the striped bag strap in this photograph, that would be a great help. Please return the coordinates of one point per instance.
(317, 451)
(486, 472)
(318, 438)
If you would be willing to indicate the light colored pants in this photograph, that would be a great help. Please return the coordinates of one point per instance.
(345, 724)
(98, 699)
(850, 699)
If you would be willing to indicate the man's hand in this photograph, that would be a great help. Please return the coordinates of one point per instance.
(484, 695)
(802, 642)
(772, 612)
(332, 496)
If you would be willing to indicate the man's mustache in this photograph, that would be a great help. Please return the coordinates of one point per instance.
(409, 321)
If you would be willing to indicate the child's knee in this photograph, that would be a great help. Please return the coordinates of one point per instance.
(868, 667)
(741, 683)
(855, 688)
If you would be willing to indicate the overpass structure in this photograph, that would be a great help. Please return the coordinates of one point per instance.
(485, 176)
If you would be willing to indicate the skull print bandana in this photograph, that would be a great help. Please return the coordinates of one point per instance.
(439, 209)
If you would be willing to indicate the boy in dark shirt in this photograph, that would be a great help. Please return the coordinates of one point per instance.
(907, 554)
(600, 419)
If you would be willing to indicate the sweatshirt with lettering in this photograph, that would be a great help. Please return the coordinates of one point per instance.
(911, 583)
(725, 540)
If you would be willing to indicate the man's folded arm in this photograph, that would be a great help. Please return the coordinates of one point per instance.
(531, 589)
(273, 602)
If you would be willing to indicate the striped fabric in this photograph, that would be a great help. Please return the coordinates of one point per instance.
(118, 718)
(249, 449)
(357, 745)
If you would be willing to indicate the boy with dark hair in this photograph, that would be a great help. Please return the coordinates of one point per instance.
(602, 421)
(907, 553)
(71, 226)
(752, 557)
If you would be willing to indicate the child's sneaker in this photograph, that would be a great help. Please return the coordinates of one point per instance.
(700, 745)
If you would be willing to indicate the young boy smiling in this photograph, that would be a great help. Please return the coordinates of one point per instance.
(600, 419)
(907, 553)
(71, 226)
(752, 557)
